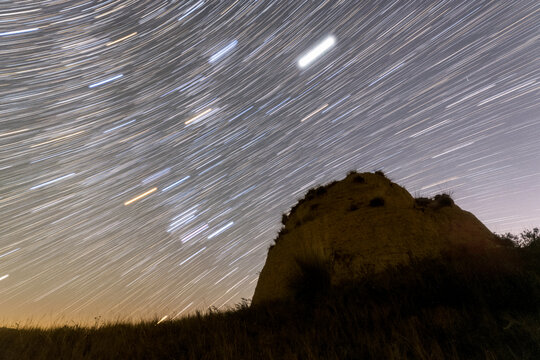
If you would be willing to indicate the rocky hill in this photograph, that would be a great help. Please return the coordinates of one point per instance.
(363, 224)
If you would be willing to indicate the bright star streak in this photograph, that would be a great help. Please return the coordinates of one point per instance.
(174, 184)
(13, 132)
(9, 252)
(57, 139)
(140, 196)
(222, 52)
(18, 32)
(52, 181)
(121, 39)
(105, 81)
(20, 12)
(192, 256)
(198, 116)
(162, 319)
(191, 9)
(314, 112)
(119, 126)
(194, 233)
(222, 229)
(316, 52)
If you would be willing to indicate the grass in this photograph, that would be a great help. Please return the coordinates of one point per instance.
(482, 304)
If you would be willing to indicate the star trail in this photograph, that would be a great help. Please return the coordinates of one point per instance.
(149, 148)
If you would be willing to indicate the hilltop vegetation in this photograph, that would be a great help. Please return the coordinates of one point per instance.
(461, 305)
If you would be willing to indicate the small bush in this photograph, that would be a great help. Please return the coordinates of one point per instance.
(422, 201)
(310, 195)
(527, 238)
(359, 179)
(314, 192)
(330, 185)
(284, 218)
(380, 173)
(507, 240)
(376, 202)
(283, 231)
(353, 207)
(296, 206)
(443, 200)
(530, 238)
(313, 207)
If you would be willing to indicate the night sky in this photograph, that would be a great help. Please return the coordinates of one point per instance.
(149, 148)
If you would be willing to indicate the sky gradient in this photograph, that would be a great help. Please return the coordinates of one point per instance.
(149, 148)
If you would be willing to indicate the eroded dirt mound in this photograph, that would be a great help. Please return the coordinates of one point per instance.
(363, 223)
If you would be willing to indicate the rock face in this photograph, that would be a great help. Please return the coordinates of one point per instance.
(364, 222)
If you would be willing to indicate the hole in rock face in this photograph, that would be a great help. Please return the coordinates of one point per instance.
(376, 202)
